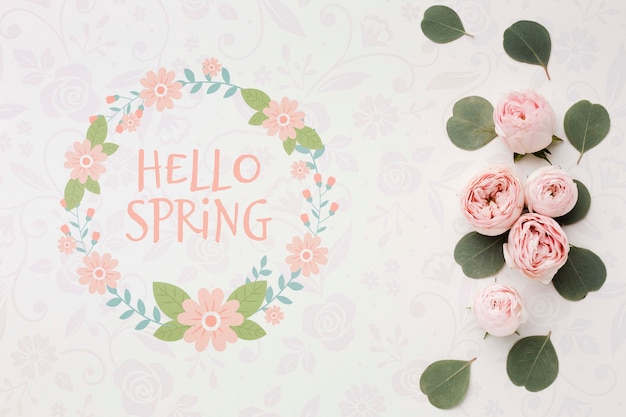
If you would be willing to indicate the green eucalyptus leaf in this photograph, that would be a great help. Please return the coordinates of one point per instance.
(92, 186)
(73, 194)
(441, 24)
(309, 138)
(480, 256)
(250, 297)
(445, 382)
(109, 148)
(97, 131)
(471, 126)
(532, 363)
(584, 271)
(528, 42)
(254, 98)
(257, 118)
(586, 125)
(289, 145)
(581, 208)
(249, 330)
(169, 298)
(171, 331)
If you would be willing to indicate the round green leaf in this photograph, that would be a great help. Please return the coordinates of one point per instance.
(581, 208)
(584, 271)
(441, 24)
(446, 382)
(586, 125)
(480, 256)
(532, 363)
(471, 126)
(528, 42)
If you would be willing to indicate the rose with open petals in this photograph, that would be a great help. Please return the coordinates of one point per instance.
(537, 246)
(550, 191)
(493, 200)
(524, 121)
(499, 310)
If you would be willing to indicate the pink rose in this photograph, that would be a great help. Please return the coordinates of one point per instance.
(493, 200)
(499, 310)
(537, 246)
(550, 191)
(525, 121)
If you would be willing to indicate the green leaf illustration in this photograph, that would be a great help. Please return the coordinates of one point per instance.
(586, 125)
(480, 256)
(254, 98)
(109, 148)
(142, 324)
(225, 75)
(249, 330)
(171, 331)
(230, 92)
(126, 314)
(97, 131)
(284, 299)
(441, 24)
(212, 89)
(141, 307)
(532, 363)
(584, 271)
(196, 87)
(581, 208)
(169, 298)
(309, 138)
(250, 297)
(189, 75)
(445, 382)
(73, 194)
(257, 118)
(92, 186)
(113, 302)
(529, 42)
(289, 145)
(471, 126)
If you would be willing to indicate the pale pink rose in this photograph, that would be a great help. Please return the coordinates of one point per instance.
(306, 254)
(550, 191)
(283, 119)
(525, 121)
(499, 309)
(210, 320)
(493, 200)
(99, 272)
(142, 386)
(160, 89)
(537, 246)
(85, 161)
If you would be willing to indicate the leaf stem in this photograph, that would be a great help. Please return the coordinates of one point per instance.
(117, 295)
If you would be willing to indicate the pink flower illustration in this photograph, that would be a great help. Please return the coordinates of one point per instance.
(331, 322)
(211, 67)
(283, 118)
(274, 315)
(66, 244)
(130, 122)
(362, 402)
(85, 161)
(306, 254)
(377, 115)
(299, 170)
(35, 355)
(210, 320)
(160, 89)
(99, 272)
(142, 386)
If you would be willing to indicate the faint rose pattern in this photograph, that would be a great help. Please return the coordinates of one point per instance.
(410, 12)
(35, 355)
(362, 402)
(406, 381)
(213, 256)
(331, 322)
(377, 116)
(375, 31)
(195, 9)
(439, 266)
(142, 386)
(478, 19)
(397, 175)
(577, 49)
(70, 94)
(612, 173)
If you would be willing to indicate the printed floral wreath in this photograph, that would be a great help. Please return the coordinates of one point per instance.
(211, 319)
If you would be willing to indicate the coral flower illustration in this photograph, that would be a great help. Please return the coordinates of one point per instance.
(130, 122)
(306, 255)
(99, 272)
(283, 119)
(85, 161)
(299, 170)
(211, 67)
(66, 244)
(274, 315)
(160, 89)
(210, 320)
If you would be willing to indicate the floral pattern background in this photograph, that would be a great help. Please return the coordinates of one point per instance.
(390, 298)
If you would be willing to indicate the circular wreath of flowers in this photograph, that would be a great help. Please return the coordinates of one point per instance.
(212, 318)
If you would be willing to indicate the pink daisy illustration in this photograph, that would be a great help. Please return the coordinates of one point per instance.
(99, 272)
(283, 119)
(211, 67)
(85, 161)
(66, 244)
(274, 315)
(306, 254)
(210, 320)
(299, 170)
(160, 89)
(130, 122)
